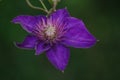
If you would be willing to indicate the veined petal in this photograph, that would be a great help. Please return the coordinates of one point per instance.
(59, 56)
(41, 47)
(27, 22)
(59, 16)
(77, 35)
(41, 20)
(28, 43)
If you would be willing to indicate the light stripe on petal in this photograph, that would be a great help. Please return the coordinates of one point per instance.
(58, 17)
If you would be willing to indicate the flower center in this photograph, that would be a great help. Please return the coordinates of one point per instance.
(50, 32)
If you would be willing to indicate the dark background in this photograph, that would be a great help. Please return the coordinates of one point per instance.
(101, 62)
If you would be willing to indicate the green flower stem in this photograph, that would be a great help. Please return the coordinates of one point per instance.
(34, 7)
(44, 6)
(55, 2)
(54, 6)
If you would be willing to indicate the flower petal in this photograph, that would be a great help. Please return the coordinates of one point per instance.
(59, 56)
(41, 20)
(41, 47)
(77, 35)
(28, 22)
(59, 16)
(28, 43)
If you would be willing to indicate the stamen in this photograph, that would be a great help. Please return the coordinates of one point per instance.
(50, 31)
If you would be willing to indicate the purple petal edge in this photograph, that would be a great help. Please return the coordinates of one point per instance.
(28, 22)
(59, 16)
(59, 56)
(77, 35)
(28, 43)
(41, 47)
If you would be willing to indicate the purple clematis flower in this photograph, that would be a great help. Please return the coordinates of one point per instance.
(53, 35)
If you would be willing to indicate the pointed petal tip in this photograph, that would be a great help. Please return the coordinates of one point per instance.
(91, 43)
(17, 44)
(27, 22)
(20, 46)
(16, 19)
(28, 43)
(82, 38)
(59, 56)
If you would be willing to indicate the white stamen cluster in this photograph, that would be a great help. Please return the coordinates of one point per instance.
(50, 31)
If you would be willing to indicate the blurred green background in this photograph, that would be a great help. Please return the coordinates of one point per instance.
(101, 62)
